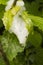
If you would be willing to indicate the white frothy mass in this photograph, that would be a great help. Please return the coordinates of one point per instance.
(20, 3)
(9, 4)
(18, 27)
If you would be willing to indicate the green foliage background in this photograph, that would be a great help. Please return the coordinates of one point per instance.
(11, 52)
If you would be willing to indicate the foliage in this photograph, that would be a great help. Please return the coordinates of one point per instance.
(11, 51)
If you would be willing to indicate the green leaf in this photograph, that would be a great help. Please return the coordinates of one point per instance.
(39, 1)
(19, 60)
(35, 39)
(37, 21)
(2, 9)
(39, 57)
(35, 8)
(3, 2)
(1, 60)
(7, 20)
(32, 8)
(11, 45)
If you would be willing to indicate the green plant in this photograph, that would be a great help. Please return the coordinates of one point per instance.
(13, 49)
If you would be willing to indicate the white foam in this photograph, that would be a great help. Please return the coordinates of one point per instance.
(20, 3)
(18, 27)
(9, 4)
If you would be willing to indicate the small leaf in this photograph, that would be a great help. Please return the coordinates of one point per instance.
(35, 39)
(11, 45)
